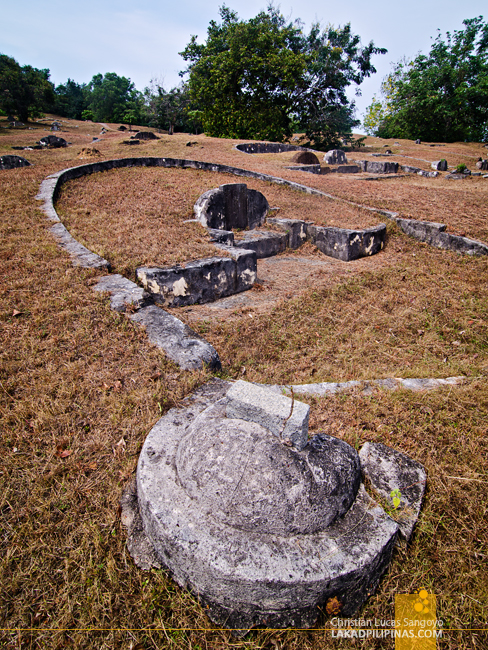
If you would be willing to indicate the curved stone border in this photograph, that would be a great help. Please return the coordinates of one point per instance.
(268, 147)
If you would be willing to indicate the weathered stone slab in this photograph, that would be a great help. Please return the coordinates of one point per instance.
(53, 142)
(410, 169)
(145, 135)
(348, 169)
(180, 343)
(265, 244)
(311, 169)
(428, 174)
(366, 387)
(123, 293)
(457, 177)
(434, 234)
(221, 236)
(12, 162)
(230, 206)
(440, 165)
(252, 526)
(267, 147)
(305, 158)
(80, 256)
(200, 281)
(378, 167)
(335, 157)
(347, 244)
(388, 470)
(285, 418)
(295, 228)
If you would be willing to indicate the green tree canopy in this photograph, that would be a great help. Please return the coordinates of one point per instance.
(263, 77)
(168, 109)
(439, 97)
(109, 97)
(24, 91)
(70, 100)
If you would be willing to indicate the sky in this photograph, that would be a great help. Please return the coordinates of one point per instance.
(141, 40)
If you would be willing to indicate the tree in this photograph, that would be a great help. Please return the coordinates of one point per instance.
(24, 91)
(169, 109)
(439, 97)
(109, 97)
(260, 78)
(70, 100)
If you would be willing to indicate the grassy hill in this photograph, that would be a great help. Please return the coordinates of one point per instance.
(80, 385)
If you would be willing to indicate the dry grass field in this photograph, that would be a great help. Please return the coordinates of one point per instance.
(80, 386)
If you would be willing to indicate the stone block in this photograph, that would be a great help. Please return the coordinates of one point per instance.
(221, 236)
(246, 267)
(347, 245)
(235, 205)
(388, 470)
(311, 169)
(348, 169)
(265, 244)
(378, 167)
(295, 228)
(123, 292)
(180, 343)
(257, 209)
(285, 418)
(409, 169)
(305, 158)
(230, 206)
(263, 533)
(12, 162)
(335, 157)
(200, 281)
(439, 165)
(428, 174)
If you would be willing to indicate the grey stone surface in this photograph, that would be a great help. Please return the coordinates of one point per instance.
(335, 157)
(434, 234)
(366, 387)
(440, 165)
(482, 165)
(268, 147)
(145, 135)
(346, 244)
(378, 167)
(230, 206)
(305, 158)
(388, 470)
(311, 169)
(428, 174)
(457, 177)
(213, 490)
(180, 343)
(12, 162)
(138, 545)
(295, 228)
(348, 169)
(200, 281)
(410, 170)
(221, 236)
(53, 142)
(285, 418)
(123, 293)
(264, 243)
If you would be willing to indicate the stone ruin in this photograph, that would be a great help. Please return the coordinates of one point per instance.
(231, 206)
(264, 524)
(12, 162)
(305, 158)
(52, 142)
(335, 157)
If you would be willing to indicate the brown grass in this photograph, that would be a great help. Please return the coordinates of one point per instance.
(136, 217)
(80, 388)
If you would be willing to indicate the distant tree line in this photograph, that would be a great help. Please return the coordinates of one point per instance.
(265, 78)
(26, 92)
(439, 97)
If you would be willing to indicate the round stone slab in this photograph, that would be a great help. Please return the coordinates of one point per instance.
(253, 576)
(242, 476)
